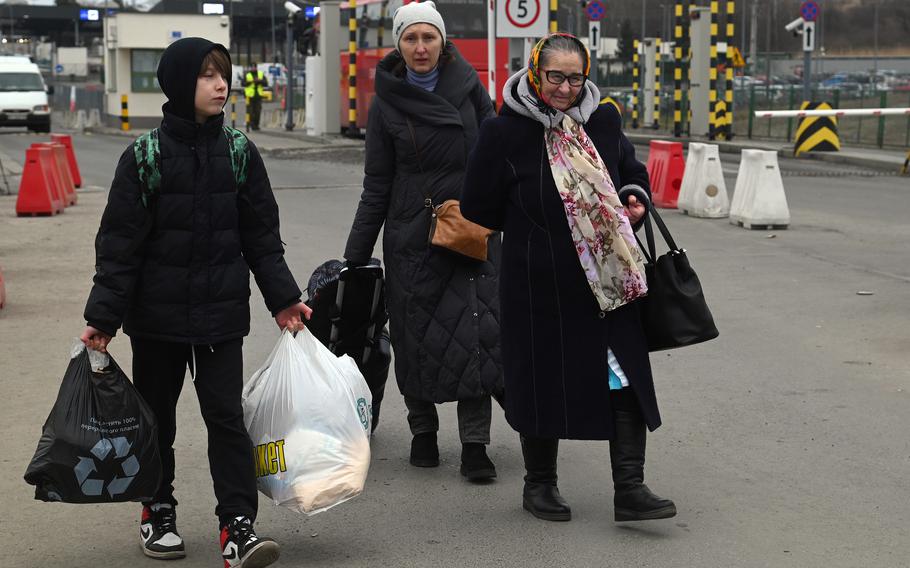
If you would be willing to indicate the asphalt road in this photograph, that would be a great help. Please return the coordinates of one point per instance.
(785, 441)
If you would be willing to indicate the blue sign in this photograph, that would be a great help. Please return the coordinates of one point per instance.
(58, 68)
(595, 10)
(175, 35)
(310, 12)
(274, 70)
(809, 10)
(87, 15)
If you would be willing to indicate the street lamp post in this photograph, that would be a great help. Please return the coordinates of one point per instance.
(289, 64)
(272, 15)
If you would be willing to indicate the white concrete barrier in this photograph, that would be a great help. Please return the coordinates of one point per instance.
(759, 200)
(703, 192)
(94, 118)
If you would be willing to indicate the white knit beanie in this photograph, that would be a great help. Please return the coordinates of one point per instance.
(417, 13)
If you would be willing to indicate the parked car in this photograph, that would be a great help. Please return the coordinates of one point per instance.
(23, 96)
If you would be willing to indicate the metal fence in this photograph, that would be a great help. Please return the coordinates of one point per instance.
(881, 132)
(88, 96)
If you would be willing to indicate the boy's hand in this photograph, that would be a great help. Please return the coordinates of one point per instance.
(290, 317)
(95, 339)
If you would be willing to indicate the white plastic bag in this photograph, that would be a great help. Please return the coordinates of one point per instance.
(308, 414)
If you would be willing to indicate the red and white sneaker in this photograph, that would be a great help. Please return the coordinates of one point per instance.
(241, 548)
(158, 532)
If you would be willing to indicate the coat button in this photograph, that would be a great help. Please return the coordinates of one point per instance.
(602, 315)
(475, 314)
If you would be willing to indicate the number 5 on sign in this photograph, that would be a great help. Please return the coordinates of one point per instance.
(521, 18)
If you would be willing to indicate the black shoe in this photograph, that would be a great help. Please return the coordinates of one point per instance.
(475, 464)
(639, 504)
(424, 451)
(241, 548)
(158, 532)
(541, 496)
(544, 502)
(632, 500)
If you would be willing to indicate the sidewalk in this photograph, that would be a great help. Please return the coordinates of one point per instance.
(273, 142)
(871, 158)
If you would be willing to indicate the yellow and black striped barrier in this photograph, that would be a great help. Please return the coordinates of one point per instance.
(352, 68)
(655, 113)
(816, 133)
(554, 12)
(124, 113)
(712, 95)
(233, 111)
(246, 108)
(678, 69)
(906, 169)
(721, 112)
(635, 73)
(727, 124)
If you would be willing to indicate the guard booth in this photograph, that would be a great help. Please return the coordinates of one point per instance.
(133, 44)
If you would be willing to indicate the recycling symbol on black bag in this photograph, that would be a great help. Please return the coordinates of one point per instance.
(129, 467)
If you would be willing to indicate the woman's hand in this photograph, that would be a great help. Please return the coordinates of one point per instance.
(95, 339)
(290, 317)
(635, 210)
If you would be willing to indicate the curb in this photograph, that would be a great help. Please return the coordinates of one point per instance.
(841, 158)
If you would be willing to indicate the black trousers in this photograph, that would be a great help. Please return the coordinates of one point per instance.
(158, 371)
(255, 111)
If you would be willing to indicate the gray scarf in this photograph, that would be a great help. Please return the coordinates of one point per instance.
(528, 104)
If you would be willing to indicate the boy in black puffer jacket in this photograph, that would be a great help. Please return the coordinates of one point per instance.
(173, 261)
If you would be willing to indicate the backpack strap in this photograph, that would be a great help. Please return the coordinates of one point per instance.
(240, 154)
(147, 150)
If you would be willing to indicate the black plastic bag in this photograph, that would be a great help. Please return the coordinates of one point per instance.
(100, 441)
(353, 321)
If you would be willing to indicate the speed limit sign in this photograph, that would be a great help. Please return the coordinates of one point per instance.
(521, 18)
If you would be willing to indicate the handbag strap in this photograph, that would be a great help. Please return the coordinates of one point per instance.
(428, 201)
(649, 235)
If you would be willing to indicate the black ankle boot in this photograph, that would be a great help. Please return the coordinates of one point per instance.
(541, 496)
(475, 464)
(424, 451)
(632, 500)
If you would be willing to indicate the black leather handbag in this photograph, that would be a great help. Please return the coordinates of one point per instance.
(674, 313)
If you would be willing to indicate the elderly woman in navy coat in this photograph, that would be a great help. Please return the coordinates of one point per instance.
(553, 172)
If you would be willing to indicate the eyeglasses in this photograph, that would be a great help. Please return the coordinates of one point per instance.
(558, 78)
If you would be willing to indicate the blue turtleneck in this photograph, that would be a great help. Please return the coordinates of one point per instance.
(425, 81)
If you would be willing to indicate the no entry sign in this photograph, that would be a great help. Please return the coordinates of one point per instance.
(521, 18)
(809, 10)
(595, 10)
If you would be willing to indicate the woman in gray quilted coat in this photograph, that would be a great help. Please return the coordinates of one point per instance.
(443, 308)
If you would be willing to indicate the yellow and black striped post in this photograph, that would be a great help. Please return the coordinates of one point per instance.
(352, 68)
(816, 133)
(380, 32)
(687, 57)
(728, 86)
(554, 11)
(906, 168)
(124, 113)
(635, 45)
(712, 95)
(656, 112)
(678, 68)
(246, 108)
(233, 111)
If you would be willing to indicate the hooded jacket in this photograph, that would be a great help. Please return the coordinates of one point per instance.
(443, 310)
(189, 280)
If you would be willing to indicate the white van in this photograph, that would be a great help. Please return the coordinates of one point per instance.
(23, 96)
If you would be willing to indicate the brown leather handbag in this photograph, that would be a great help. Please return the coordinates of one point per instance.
(448, 227)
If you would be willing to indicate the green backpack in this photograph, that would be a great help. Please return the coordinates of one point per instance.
(148, 160)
